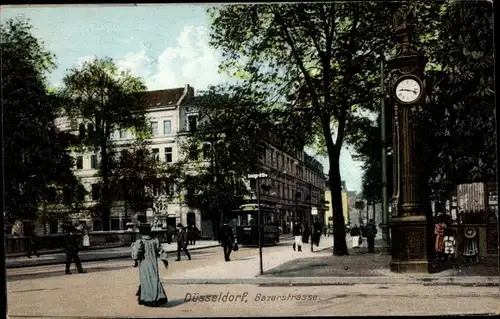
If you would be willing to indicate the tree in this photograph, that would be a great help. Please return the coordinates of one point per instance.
(140, 179)
(230, 136)
(36, 155)
(459, 117)
(320, 56)
(97, 93)
(457, 120)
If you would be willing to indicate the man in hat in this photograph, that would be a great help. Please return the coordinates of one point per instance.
(371, 232)
(72, 249)
(182, 242)
(226, 239)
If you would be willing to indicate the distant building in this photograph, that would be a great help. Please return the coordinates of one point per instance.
(346, 197)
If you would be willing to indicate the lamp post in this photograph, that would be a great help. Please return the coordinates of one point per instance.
(383, 137)
(257, 178)
(310, 216)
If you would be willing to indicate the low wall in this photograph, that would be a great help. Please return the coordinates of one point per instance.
(18, 245)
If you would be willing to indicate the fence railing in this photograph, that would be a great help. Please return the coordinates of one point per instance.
(18, 245)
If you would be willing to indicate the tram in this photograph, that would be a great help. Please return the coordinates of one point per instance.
(247, 230)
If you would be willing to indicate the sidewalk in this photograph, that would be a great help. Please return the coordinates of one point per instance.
(283, 266)
(94, 255)
(248, 268)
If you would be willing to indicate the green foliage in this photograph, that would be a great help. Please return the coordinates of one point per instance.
(457, 122)
(35, 155)
(226, 146)
(459, 117)
(141, 179)
(319, 57)
(99, 94)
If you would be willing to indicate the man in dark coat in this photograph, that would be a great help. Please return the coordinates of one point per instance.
(32, 242)
(305, 233)
(226, 239)
(317, 233)
(182, 242)
(71, 244)
(371, 231)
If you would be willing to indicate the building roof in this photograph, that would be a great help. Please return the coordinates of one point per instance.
(159, 98)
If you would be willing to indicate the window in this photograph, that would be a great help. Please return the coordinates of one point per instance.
(167, 127)
(168, 154)
(79, 162)
(123, 156)
(81, 193)
(115, 224)
(93, 161)
(253, 184)
(156, 187)
(206, 151)
(192, 122)
(169, 188)
(154, 128)
(90, 129)
(156, 154)
(95, 191)
(123, 133)
(193, 153)
(81, 131)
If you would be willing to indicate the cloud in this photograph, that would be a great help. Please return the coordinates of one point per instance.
(191, 61)
(83, 59)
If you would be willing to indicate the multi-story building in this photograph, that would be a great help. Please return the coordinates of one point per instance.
(296, 179)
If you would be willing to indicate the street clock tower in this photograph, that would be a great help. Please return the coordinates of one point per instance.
(411, 235)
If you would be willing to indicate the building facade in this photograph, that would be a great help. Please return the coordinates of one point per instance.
(296, 181)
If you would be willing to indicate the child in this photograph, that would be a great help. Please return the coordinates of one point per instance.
(449, 244)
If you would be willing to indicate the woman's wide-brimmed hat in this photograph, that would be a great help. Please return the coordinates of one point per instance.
(179, 225)
(469, 232)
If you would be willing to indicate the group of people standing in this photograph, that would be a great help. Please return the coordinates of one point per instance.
(301, 234)
(446, 245)
(368, 231)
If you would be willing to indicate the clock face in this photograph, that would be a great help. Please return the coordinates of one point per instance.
(408, 90)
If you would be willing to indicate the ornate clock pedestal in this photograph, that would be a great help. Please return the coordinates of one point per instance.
(411, 242)
(411, 230)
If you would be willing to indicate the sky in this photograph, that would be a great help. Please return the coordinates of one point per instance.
(166, 45)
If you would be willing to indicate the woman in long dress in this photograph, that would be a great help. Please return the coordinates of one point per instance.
(145, 252)
(86, 237)
(439, 233)
(355, 233)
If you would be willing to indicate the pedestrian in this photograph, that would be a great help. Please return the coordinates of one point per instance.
(355, 235)
(371, 232)
(226, 239)
(145, 252)
(85, 235)
(182, 242)
(32, 241)
(305, 234)
(297, 234)
(71, 250)
(317, 233)
(192, 234)
(439, 228)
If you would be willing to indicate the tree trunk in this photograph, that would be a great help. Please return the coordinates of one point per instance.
(373, 212)
(334, 179)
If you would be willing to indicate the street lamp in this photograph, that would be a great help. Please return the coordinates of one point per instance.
(257, 178)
